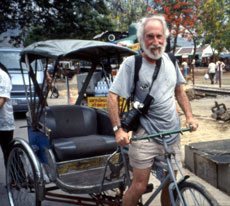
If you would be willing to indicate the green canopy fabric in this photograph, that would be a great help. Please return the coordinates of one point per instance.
(132, 34)
(75, 49)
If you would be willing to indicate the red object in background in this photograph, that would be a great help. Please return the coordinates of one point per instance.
(114, 72)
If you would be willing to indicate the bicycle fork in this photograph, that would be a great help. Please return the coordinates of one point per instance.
(174, 184)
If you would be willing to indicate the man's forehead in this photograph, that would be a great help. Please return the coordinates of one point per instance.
(154, 24)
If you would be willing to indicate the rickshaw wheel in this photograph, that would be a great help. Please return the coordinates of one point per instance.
(21, 178)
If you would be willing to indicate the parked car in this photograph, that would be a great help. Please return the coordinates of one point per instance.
(10, 57)
(50, 69)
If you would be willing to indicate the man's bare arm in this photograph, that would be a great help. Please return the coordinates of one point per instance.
(184, 103)
(112, 102)
(122, 137)
(2, 101)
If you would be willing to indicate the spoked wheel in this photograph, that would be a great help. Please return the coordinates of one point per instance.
(21, 179)
(194, 194)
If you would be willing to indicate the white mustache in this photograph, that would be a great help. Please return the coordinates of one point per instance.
(155, 47)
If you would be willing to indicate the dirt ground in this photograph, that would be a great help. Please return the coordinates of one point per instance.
(209, 129)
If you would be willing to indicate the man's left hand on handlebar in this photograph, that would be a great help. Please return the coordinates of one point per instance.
(192, 122)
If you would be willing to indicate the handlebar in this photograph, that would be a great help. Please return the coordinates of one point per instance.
(162, 134)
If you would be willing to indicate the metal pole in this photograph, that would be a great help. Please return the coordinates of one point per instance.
(219, 75)
(67, 87)
(193, 75)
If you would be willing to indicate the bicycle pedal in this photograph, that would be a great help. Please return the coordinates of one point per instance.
(149, 188)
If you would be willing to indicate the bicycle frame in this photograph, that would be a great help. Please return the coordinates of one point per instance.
(165, 164)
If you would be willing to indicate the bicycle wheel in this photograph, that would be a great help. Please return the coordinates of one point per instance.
(194, 194)
(21, 179)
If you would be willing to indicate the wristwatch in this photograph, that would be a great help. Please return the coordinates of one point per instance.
(116, 128)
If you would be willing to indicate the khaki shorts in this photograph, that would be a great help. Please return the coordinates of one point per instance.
(142, 152)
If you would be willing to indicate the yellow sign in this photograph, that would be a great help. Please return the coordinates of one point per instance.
(101, 102)
(97, 102)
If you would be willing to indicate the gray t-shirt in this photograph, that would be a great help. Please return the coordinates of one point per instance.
(162, 113)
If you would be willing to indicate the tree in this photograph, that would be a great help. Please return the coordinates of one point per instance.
(125, 12)
(215, 24)
(42, 19)
(227, 11)
(6, 21)
(192, 24)
(180, 16)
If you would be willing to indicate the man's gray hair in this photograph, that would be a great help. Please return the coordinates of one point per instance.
(141, 25)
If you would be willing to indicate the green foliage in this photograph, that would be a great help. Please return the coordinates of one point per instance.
(6, 20)
(215, 24)
(60, 19)
(82, 19)
(125, 12)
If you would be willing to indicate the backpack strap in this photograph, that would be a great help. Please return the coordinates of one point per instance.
(173, 58)
(138, 63)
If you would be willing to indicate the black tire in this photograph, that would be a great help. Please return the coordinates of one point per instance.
(194, 194)
(21, 178)
(111, 37)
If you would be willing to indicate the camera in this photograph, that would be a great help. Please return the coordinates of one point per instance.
(131, 122)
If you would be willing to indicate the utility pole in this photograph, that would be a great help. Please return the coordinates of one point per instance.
(219, 65)
(193, 72)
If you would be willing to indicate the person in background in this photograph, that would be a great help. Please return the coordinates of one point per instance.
(185, 68)
(219, 70)
(6, 112)
(152, 33)
(211, 70)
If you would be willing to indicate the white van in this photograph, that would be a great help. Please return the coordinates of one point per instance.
(10, 58)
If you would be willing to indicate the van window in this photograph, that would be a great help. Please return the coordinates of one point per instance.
(8, 59)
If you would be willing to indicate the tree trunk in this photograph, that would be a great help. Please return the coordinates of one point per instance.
(175, 43)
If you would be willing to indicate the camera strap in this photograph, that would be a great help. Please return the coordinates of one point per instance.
(149, 98)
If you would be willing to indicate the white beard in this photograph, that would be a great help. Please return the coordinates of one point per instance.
(156, 54)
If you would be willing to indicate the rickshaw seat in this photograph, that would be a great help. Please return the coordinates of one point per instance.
(79, 132)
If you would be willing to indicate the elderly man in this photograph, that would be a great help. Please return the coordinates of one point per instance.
(152, 33)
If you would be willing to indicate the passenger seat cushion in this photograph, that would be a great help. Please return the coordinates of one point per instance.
(67, 121)
(83, 147)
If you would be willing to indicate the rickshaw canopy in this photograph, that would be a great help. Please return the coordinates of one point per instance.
(96, 52)
(75, 49)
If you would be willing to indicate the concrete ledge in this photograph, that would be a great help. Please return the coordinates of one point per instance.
(211, 162)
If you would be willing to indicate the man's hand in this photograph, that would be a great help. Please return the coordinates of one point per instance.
(192, 122)
(122, 137)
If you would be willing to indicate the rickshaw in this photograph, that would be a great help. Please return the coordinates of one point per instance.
(71, 147)
(71, 155)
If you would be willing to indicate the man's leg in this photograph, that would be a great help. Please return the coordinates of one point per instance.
(138, 186)
(165, 197)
